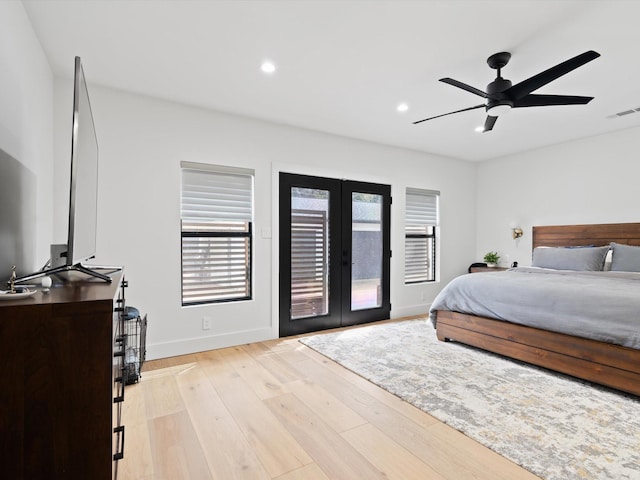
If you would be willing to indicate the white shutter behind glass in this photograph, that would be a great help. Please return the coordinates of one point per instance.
(421, 212)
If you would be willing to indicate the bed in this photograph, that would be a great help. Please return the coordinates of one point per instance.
(602, 362)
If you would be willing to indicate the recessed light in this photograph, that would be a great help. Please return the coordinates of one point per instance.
(402, 107)
(268, 67)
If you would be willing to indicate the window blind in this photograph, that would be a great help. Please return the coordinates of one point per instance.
(216, 196)
(216, 213)
(421, 207)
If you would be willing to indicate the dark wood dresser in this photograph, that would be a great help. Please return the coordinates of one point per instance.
(61, 386)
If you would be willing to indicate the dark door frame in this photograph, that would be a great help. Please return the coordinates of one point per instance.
(340, 220)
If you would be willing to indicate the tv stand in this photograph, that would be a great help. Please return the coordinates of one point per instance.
(66, 271)
(63, 386)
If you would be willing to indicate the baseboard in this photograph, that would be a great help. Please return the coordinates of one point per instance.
(411, 311)
(201, 344)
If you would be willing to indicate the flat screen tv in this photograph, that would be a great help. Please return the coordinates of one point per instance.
(83, 194)
(83, 191)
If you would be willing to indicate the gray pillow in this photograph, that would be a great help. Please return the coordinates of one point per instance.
(563, 258)
(626, 258)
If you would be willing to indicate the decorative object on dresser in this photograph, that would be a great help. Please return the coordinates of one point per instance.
(593, 359)
(15, 292)
(62, 394)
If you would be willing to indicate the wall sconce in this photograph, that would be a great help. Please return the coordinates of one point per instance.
(517, 232)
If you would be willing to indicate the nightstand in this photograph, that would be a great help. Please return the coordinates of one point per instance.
(487, 269)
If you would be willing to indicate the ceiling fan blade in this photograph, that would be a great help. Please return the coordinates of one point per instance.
(450, 113)
(533, 100)
(520, 90)
(489, 123)
(464, 86)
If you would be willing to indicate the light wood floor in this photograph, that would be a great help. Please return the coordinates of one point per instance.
(279, 410)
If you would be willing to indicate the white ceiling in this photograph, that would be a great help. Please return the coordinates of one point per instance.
(343, 66)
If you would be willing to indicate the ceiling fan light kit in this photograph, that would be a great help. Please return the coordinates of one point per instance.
(499, 109)
(501, 95)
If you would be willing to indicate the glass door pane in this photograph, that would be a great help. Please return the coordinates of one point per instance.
(366, 251)
(309, 252)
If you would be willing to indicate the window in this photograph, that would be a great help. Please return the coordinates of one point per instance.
(216, 214)
(421, 222)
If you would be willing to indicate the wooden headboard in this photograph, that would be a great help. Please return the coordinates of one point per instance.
(597, 234)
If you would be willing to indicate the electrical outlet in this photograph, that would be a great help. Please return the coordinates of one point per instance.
(206, 323)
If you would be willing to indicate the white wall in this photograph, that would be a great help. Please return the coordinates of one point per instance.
(142, 142)
(594, 180)
(26, 116)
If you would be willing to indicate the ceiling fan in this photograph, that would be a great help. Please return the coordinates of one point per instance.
(501, 96)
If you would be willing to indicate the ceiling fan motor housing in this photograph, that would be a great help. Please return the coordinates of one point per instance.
(495, 95)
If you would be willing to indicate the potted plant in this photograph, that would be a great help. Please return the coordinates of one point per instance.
(492, 259)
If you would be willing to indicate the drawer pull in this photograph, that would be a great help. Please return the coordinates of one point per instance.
(119, 398)
(120, 454)
(122, 340)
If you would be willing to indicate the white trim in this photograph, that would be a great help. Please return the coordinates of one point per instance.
(412, 310)
(217, 168)
(201, 344)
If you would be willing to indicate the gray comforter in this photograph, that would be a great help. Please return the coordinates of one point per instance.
(602, 306)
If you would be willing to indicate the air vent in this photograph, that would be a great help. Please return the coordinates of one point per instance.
(624, 113)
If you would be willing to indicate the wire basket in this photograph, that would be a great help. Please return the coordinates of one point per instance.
(135, 329)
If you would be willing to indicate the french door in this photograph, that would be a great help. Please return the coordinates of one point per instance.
(334, 253)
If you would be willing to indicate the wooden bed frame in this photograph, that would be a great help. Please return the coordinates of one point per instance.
(603, 363)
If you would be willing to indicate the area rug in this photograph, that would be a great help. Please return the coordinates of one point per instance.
(557, 427)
